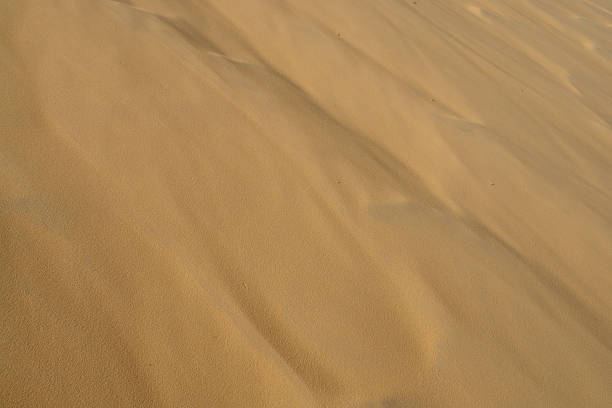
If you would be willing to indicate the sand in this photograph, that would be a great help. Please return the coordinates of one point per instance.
(289, 203)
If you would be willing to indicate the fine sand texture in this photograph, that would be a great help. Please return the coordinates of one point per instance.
(306, 203)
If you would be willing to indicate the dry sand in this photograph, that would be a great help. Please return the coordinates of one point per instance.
(291, 203)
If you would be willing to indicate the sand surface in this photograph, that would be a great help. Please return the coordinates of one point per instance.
(306, 203)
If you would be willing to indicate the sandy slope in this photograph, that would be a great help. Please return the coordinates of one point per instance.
(286, 203)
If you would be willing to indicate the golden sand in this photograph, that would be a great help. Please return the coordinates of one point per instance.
(291, 203)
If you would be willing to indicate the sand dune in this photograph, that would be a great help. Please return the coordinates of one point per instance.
(287, 203)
